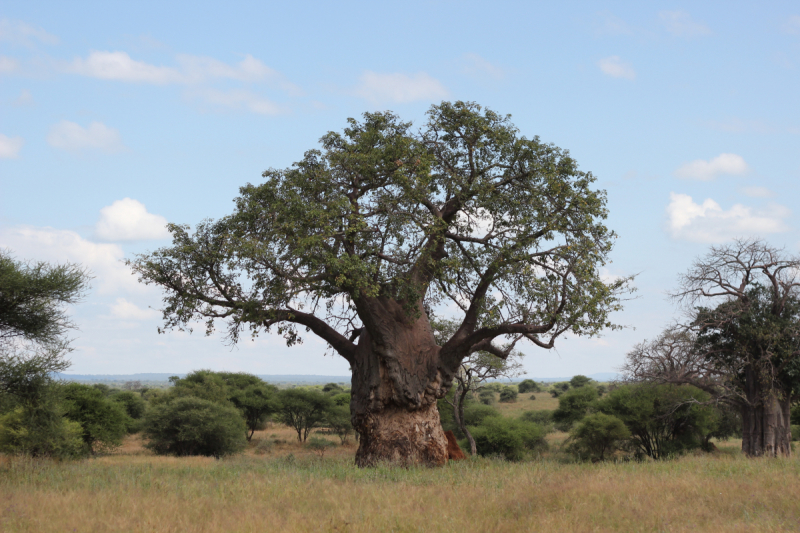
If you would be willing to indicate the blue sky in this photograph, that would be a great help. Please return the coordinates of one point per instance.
(118, 117)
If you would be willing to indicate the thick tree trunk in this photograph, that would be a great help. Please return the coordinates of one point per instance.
(396, 382)
(766, 428)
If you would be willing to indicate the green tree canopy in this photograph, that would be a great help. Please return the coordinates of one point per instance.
(362, 240)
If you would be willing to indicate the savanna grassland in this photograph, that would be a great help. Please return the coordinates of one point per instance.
(279, 484)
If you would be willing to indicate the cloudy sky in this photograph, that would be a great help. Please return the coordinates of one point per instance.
(118, 117)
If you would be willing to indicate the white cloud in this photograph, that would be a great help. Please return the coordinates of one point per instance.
(681, 24)
(122, 309)
(792, 25)
(10, 146)
(119, 66)
(616, 68)
(479, 67)
(72, 137)
(758, 192)
(62, 246)
(19, 33)
(128, 220)
(7, 65)
(399, 88)
(240, 99)
(709, 223)
(723, 164)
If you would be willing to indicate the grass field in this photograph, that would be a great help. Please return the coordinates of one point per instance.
(289, 488)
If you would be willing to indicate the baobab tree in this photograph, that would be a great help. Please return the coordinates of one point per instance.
(360, 240)
(745, 351)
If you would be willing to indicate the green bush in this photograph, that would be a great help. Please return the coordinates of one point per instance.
(572, 406)
(193, 426)
(341, 399)
(579, 381)
(338, 421)
(319, 445)
(476, 413)
(528, 385)
(486, 396)
(664, 420)
(557, 389)
(533, 397)
(542, 417)
(508, 395)
(40, 431)
(508, 437)
(795, 432)
(597, 435)
(104, 421)
(134, 407)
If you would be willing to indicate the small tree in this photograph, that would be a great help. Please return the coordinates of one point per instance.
(596, 435)
(508, 395)
(338, 420)
(256, 402)
(663, 419)
(572, 406)
(473, 375)
(528, 385)
(579, 381)
(104, 422)
(193, 426)
(508, 437)
(303, 409)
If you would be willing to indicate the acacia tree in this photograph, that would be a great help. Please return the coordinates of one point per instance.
(356, 240)
(746, 350)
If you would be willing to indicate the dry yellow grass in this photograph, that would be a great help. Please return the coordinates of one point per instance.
(290, 489)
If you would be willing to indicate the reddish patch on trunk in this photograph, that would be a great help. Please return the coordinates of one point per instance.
(454, 452)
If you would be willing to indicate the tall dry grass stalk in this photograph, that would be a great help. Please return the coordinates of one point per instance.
(134, 491)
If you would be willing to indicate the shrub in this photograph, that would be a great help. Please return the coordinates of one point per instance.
(557, 389)
(342, 398)
(528, 385)
(663, 419)
(487, 396)
(507, 437)
(104, 421)
(134, 407)
(533, 397)
(476, 413)
(579, 381)
(40, 431)
(542, 417)
(572, 406)
(338, 420)
(319, 445)
(795, 432)
(332, 388)
(508, 395)
(596, 435)
(193, 426)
